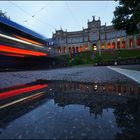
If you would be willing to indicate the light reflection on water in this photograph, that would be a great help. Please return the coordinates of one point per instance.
(62, 109)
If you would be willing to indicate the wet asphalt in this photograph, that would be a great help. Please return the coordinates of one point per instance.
(82, 74)
(69, 103)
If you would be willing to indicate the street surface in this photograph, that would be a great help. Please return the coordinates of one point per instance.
(70, 103)
(84, 74)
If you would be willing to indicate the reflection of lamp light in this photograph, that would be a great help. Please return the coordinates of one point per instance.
(22, 99)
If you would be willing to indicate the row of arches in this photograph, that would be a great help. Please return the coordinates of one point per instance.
(72, 49)
(121, 44)
(129, 43)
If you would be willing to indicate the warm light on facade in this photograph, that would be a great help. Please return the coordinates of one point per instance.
(103, 46)
(118, 39)
(94, 48)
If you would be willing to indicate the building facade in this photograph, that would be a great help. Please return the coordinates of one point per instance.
(95, 37)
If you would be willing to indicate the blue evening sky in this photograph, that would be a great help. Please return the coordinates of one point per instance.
(46, 16)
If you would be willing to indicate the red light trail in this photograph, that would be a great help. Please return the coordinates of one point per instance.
(9, 49)
(15, 92)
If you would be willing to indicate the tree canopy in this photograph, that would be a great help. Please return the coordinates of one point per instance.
(127, 16)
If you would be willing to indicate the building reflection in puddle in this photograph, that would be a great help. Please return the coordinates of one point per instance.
(19, 100)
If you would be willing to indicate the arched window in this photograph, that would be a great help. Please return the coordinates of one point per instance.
(102, 46)
(59, 49)
(123, 44)
(108, 46)
(81, 49)
(64, 49)
(69, 49)
(86, 48)
(73, 50)
(77, 49)
(138, 40)
(113, 45)
(118, 44)
(130, 42)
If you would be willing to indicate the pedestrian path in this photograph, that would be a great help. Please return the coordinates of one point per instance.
(133, 74)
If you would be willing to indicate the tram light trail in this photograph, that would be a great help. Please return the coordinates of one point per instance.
(9, 49)
(29, 98)
(15, 92)
(29, 40)
(18, 40)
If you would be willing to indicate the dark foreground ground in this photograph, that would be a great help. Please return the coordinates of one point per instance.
(71, 103)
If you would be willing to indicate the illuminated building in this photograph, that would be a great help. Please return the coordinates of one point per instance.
(94, 37)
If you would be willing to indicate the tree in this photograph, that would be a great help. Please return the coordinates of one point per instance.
(3, 15)
(127, 16)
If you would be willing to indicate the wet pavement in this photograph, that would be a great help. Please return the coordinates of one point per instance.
(129, 67)
(34, 107)
(82, 74)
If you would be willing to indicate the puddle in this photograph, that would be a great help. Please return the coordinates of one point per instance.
(70, 110)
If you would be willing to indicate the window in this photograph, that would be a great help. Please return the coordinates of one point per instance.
(73, 49)
(118, 33)
(86, 48)
(59, 49)
(108, 35)
(113, 45)
(113, 34)
(118, 44)
(123, 44)
(123, 33)
(108, 46)
(81, 39)
(130, 42)
(77, 49)
(102, 36)
(102, 46)
(86, 38)
(138, 40)
(81, 49)
(94, 36)
(69, 49)
(64, 49)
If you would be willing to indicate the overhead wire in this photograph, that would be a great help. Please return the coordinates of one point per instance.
(71, 13)
(43, 7)
(30, 15)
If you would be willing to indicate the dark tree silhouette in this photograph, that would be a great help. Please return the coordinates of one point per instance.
(127, 16)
